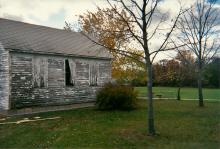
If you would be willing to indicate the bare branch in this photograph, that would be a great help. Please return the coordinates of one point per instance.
(121, 52)
(136, 4)
(164, 44)
(132, 14)
(156, 29)
(127, 23)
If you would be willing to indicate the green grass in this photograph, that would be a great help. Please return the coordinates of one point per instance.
(181, 125)
(186, 93)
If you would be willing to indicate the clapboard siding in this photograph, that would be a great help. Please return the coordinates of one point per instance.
(104, 71)
(82, 73)
(4, 79)
(55, 72)
(26, 94)
(21, 80)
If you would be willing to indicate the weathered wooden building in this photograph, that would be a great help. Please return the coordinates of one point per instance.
(41, 66)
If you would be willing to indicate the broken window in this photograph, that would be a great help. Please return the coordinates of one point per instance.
(93, 75)
(40, 72)
(69, 72)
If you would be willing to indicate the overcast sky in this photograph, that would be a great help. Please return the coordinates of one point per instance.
(54, 13)
(51, 13)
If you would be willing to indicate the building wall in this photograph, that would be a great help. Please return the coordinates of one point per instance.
(39, 80)
(4, 79)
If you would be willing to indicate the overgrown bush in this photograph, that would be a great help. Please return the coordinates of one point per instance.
(118, 97)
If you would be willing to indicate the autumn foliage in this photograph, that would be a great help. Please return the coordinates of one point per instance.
(114, 34)
(179, 71)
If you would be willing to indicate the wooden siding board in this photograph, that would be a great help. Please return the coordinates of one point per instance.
(21, 80)
(55, 73)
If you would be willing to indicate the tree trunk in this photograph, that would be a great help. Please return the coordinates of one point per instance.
(201, 104)
(178, 93)
(151, 129)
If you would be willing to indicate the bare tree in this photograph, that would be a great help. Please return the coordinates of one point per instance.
(186, 68)
(199, 28)
(150, 24)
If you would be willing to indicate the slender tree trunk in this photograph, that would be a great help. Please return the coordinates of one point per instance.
(201, 104)
(200, 62)
(151, 129)
(180, 78)
(178, 93)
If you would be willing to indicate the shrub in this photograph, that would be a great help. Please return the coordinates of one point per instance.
(118, 97)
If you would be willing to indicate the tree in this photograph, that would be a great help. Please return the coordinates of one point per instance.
(211, 73)
(178, 71)
(166, 72)
(186, 69)
(113, 34)
(143, 27)
(198, 29)
(128, 70)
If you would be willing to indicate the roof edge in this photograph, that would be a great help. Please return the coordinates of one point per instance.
(59, 54)
(36, 25)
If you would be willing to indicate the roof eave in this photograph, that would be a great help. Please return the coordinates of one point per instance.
(59, 54)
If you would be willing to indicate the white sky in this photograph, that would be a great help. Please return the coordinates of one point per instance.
(51, 13)
(54, 13)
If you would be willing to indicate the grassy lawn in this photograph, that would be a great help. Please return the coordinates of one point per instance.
(181, 125)
(186, 93)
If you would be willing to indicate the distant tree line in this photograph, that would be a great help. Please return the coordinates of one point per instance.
(212, 73)
(179, 71)
(175, 73)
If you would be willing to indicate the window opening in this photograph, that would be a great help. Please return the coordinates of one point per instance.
(68, 75)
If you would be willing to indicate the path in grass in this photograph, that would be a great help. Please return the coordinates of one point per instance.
(186, 93)
(180, 124)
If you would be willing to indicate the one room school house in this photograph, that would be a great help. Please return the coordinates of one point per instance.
(42, 66)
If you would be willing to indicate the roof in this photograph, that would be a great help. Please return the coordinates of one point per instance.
(24, 37)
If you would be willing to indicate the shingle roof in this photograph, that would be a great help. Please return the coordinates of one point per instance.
(31, 38)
